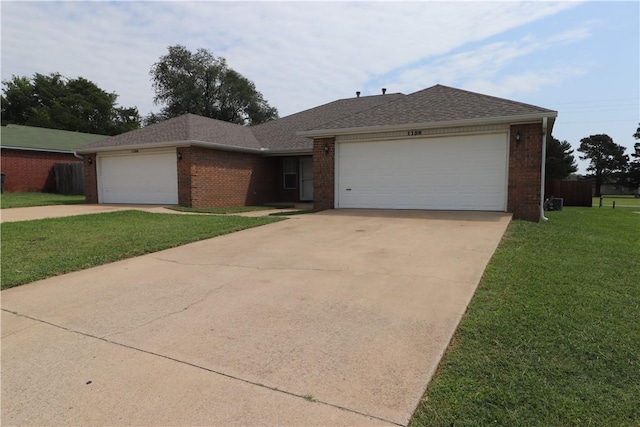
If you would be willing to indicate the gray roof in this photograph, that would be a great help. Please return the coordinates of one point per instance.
(436, 104)
(188, 128)
(281, 134)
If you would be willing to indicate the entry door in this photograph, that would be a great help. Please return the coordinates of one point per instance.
(306, 178)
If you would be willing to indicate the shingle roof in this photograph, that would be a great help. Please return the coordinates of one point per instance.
(186, 128)
(35, 138)
(281, 134)
(435, 104)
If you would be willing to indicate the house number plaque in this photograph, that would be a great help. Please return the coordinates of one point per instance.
(414, 132)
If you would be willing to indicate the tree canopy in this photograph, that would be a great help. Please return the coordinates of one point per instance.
(52, 101)
(200, 83)
(560, 161)
(634, 166)
(607, 159)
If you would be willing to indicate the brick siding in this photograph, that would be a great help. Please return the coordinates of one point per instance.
(323, 173)
(90, 178)
(223, 178)
(525, 162)
(214, 178)
(27, 170)
(184, 177)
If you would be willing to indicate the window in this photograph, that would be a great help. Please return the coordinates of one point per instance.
(290, 172)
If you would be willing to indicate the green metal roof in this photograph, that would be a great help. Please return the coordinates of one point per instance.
(34, 138)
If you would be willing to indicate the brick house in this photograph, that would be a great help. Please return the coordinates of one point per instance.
(439, 148)
(29, 154)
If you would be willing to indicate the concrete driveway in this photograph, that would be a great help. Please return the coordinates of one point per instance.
(335, 318)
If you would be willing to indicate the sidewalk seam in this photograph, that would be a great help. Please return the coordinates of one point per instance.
(203, 368)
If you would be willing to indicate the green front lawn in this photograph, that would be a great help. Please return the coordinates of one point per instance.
(21, 200)
(552, 335)
(33, 250)
(227, 210)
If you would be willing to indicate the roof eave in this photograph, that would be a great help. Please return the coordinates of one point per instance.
(318, 133)
(289, 151)
(167, 144)
(48, 150)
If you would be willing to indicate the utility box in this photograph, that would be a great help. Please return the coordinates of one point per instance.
(556, 204)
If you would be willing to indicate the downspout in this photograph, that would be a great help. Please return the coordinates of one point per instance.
(76, 155)
(543, 168)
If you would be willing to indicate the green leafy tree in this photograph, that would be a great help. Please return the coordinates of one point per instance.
(52, 101)
(607, 159)
(560, 161)
(634, 166)
(200, 83)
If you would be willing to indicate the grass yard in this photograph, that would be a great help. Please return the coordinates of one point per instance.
(223, 211)
(552, 335)
(621, 201)
(33, 250)
(21, 200)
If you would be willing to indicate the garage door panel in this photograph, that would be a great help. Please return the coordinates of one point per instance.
(146, 178)
(452, 173)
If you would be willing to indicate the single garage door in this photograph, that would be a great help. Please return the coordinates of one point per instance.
(144, 177)
(446, 173)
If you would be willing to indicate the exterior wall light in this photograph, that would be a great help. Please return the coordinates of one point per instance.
(518, 137)
(89, 160)
(326, 149)
(179, 155)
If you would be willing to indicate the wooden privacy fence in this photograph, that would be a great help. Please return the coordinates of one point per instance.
(69, 178)
(574, 193)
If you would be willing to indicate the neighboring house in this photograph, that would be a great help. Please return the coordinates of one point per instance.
(615, 189)
(29, 153)
(440, 148)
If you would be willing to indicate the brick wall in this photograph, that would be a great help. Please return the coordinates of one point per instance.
(90, 178)
(184, 177)
(525, 161)
(31, 170)
(222, 178)
(323, 173)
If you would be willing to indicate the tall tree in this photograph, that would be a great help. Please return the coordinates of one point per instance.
(634, 166)
(560, 161)
(200, 83)
(607, 159)
(69, 104)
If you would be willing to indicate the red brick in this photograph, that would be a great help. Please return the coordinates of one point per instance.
(525, 162)
(215, 178)
(323, 173)
(27, 170)
(90, 178)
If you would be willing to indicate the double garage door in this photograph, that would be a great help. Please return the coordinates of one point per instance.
(447, 173)
(148, 177)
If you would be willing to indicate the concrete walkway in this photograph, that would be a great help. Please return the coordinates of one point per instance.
(57, 211)
(335, 318)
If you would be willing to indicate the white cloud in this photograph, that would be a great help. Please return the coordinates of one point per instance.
(299, 54)
(481, 69)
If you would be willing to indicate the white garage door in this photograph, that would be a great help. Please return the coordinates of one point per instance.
(448, 173)
(145, 177)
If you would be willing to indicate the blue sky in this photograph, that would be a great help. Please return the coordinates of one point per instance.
(579, 58)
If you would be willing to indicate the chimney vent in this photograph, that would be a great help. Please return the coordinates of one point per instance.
(358, 94)
(384, 90)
